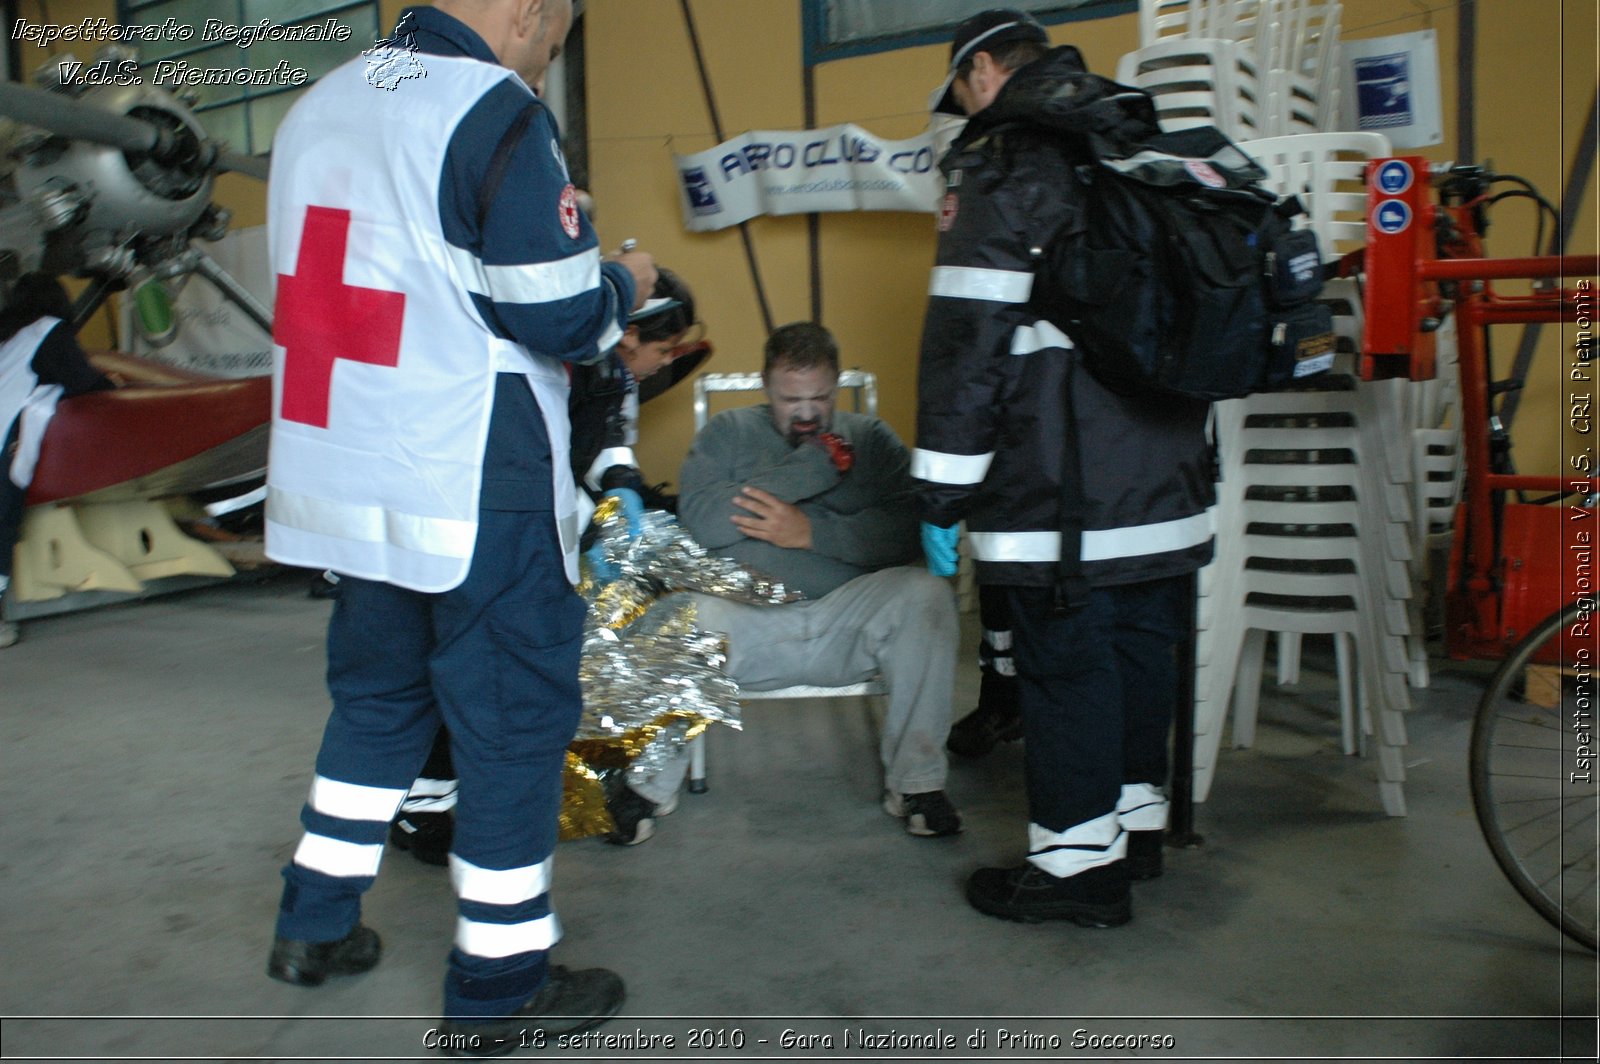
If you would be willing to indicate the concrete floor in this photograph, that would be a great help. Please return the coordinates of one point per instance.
(153, 758)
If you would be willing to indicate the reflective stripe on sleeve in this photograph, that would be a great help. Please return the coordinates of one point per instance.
(605, 460)
(972, 282)
(941, 468)
(533, 282)
(1098, 545)
(1038, 336)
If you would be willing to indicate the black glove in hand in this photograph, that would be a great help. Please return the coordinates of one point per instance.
(837, 448)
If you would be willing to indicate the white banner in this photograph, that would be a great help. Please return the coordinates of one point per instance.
(1391, 86)
(843, 168)
(213, 335)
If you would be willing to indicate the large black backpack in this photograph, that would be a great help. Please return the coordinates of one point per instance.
(1182, 275)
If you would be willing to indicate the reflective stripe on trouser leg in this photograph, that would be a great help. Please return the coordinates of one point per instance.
(429, 796)
(377, 735)
(1142, 807)
(435, 788)
(1081, 847)
(994, 652)
(506, 677)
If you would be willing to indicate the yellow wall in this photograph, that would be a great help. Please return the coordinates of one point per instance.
(1535, 77)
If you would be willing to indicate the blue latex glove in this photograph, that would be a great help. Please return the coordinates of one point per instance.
(939, 545)
(600, 570)
(632, 508)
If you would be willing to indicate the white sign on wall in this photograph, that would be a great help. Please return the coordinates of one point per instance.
(1391, 86)
(843, 168)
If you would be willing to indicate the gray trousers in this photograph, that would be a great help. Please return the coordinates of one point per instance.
(897, 624)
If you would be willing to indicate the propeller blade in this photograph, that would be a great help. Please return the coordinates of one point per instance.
(68, 118)
(255, 166)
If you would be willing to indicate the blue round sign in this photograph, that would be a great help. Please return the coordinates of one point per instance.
(1393, 177)
(1391, 216)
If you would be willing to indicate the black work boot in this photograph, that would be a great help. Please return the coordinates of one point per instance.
(1095, 897)
(1144, 854)
(997, 718)
(568, 1001)
(426, 835)
(310, 963)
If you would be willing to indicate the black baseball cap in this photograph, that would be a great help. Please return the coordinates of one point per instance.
(1001, 25)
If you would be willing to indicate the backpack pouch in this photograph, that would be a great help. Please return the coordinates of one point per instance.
(1301, 344)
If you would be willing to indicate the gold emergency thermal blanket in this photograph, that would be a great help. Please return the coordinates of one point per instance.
(652, 681)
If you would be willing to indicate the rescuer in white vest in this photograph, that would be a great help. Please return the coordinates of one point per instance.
(434, 273)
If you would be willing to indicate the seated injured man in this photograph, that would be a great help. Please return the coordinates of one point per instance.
(822, 500)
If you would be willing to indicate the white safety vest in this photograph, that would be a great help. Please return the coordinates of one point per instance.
(22, 396)
(381, 478)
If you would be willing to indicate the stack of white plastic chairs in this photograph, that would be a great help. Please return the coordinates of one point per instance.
(1252, 68)
(1438, 471)
(1314, 511)
(1197, 59)
(1309, 542)
(1299, 60)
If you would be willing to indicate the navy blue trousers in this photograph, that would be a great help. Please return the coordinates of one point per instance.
(495, 659)
(1097, 688)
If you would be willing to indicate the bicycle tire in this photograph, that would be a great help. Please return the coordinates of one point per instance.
(1535, 800)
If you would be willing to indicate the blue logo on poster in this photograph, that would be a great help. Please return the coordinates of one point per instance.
(1383, 91)
(1392, 217)
(702, 197)
(1394, 177)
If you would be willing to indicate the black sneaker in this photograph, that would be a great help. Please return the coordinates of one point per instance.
(977, 733)
(567, 1002)
(1095, 897)
(310, 963)
(634, 815)
(1144, 854)
(928, 813)
(426, 835)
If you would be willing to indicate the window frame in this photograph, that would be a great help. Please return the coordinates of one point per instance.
(818, 49)
(232, 12)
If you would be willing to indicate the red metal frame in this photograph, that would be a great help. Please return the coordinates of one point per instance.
(1498, 588)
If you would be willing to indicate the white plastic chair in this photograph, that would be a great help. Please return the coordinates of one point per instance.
(864, 385)
(1197, 82)
(1163, 19)
(1327, 171)
(1298, 51)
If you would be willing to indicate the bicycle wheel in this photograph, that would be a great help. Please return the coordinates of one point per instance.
(1534, 771)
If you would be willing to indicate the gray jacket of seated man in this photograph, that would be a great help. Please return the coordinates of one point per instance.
(871, 609)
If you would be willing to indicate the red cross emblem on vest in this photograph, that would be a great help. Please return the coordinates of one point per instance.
(319, 319)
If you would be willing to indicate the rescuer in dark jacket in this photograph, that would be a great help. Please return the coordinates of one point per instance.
(1015, 438)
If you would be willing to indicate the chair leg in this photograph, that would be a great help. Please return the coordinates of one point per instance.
(697, 764)
(1288, 658)
(1247, 687)
(1350, 706)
